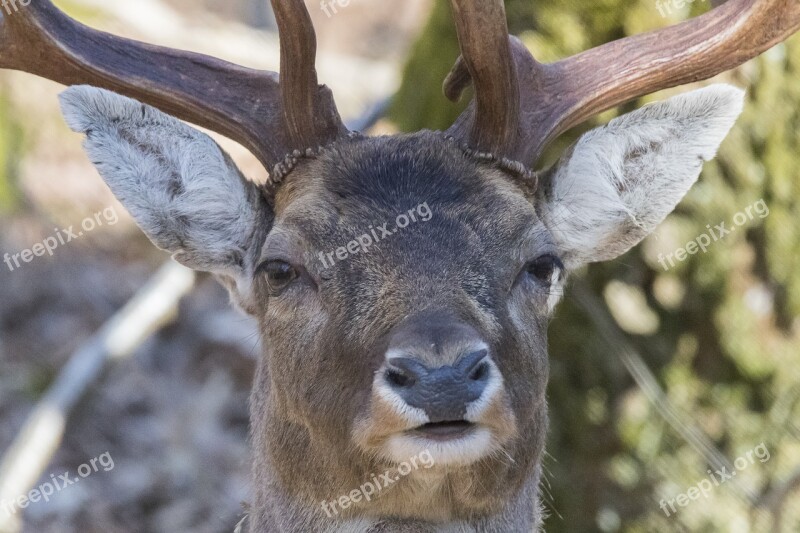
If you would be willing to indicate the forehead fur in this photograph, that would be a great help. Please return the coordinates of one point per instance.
(380, 175)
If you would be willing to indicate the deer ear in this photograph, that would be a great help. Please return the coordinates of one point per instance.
(182, 189)
(619, 181)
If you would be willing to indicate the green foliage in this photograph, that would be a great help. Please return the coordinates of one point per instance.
(421, 94)
(726, 348)
(13, 127)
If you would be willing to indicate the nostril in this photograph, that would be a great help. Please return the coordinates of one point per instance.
(471, 362)
(480, 372)
(398, 379)
(404, 372)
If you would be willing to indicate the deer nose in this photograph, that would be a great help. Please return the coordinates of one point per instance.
(444, 392)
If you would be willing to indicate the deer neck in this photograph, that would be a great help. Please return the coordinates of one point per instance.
(278, 511)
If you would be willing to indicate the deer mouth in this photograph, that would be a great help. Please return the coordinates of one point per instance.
(442, 431)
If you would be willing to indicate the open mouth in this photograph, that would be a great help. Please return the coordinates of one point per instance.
(449, 430)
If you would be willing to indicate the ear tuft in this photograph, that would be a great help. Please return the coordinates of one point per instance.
(87, 108)
(706, 115)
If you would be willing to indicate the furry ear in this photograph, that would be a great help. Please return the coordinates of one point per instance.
(619, 181)
(182, 189)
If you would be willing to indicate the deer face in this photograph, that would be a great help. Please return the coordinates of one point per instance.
(432, 336)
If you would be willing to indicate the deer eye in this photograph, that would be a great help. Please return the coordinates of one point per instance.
(543, 268)
(279, 274)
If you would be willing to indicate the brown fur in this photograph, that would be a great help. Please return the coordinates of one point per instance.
(316, 423)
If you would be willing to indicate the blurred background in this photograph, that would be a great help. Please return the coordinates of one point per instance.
(659, 377)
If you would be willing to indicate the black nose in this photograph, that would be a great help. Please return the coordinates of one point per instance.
(443, 392)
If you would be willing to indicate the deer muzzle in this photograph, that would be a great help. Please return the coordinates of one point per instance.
(438, 390)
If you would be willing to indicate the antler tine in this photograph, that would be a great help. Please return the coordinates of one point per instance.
(486, 60)
(555, 97)
(240, 103)
(311, 117)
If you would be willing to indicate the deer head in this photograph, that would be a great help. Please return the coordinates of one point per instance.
(402, 284)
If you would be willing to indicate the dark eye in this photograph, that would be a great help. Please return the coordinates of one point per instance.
(544, 267)
(279, 274)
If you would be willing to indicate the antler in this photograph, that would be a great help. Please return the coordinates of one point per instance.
(486, 60)
(271, 118)
(311, 121)
(554, 97)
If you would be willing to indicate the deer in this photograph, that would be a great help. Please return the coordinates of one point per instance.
(434, 340)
